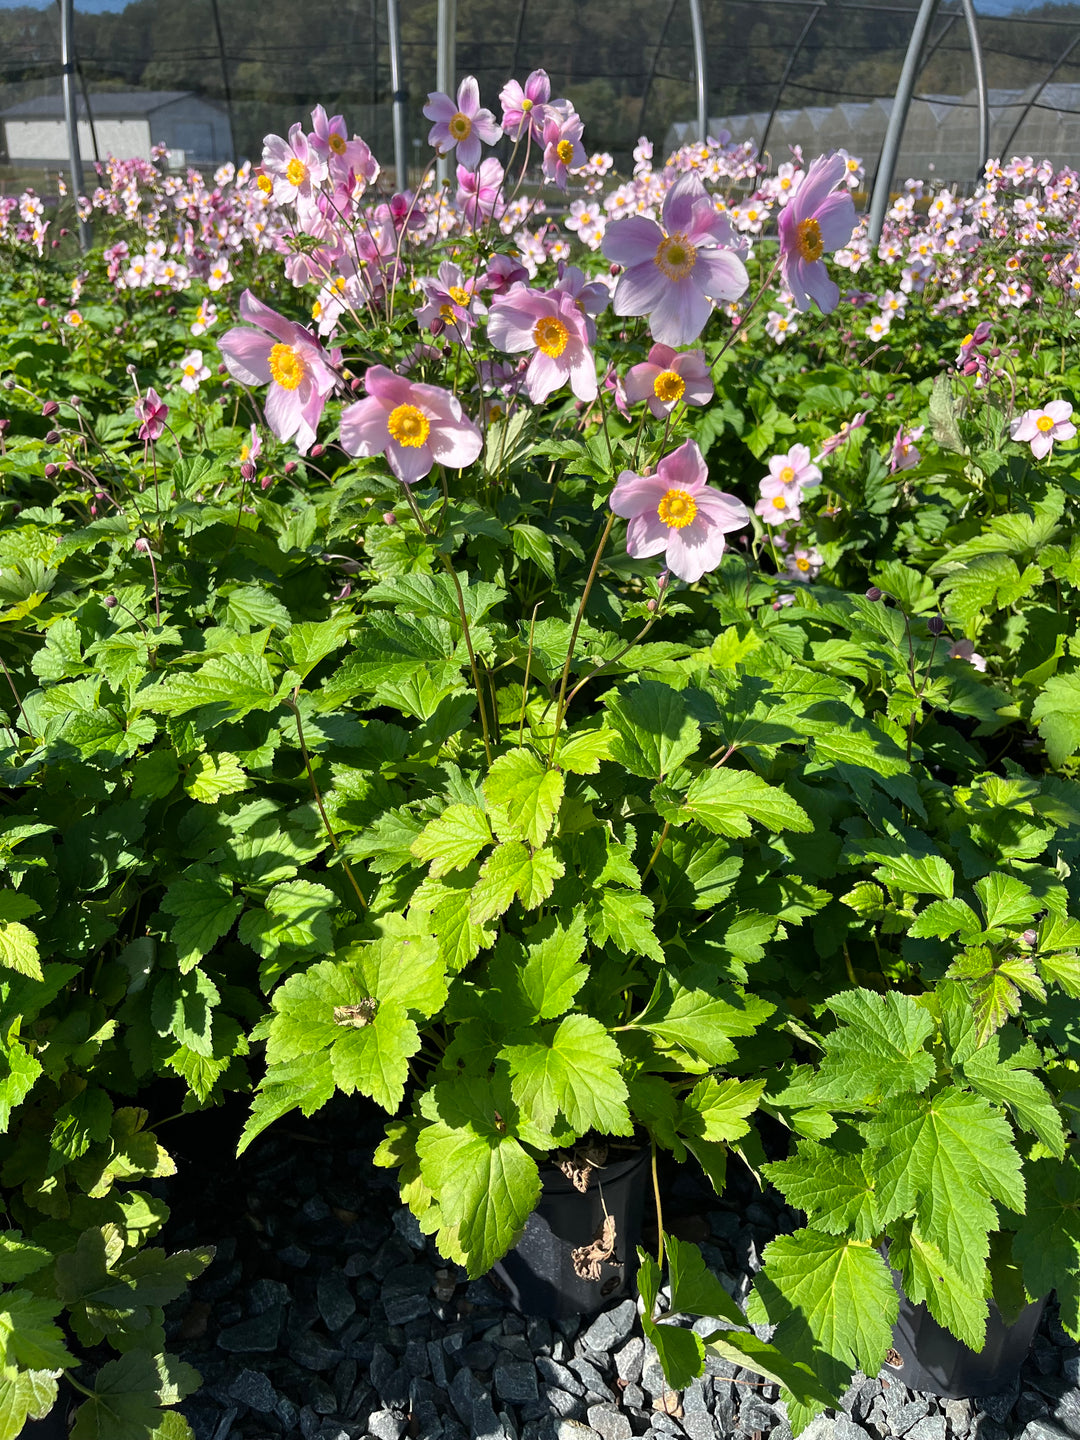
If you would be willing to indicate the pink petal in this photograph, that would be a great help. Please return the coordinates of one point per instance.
(1059, 410)
(647, 535)
(440, 108)
(721, 274)
(409, 462)
(725, 511)
(682, 314)
(283, 413)
(836, 216)
(544, 376)
(470, 150)
(824, 175)
(1041, 444)
(583, 373)
(456, 443)
(256, 313)
(363, 428)
(695, 550)
(632, 241)
(634, 494)
(247, 355)
(639, 290)
(468, 96)
(678, 211)
(639, 381)
(684, 469)
(390, 389)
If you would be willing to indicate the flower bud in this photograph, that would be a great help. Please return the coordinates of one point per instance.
(266, 482)
(874, 593)
(317, 450)
(650, 605)
(171, 311)
(221, 367)
(142, 545)
(247, 470)
(45, 325)
(52, 437)
(49, 408)
(389, 518)
(110, 602)
(64, 233)
(42, 301)
(935, 624)
(51, 470)
(357, 383)
(1029, 937)
(5, 425)
(290, 467)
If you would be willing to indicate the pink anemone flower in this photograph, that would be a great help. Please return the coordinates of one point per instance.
(524, 106)
(412, 425)
(563, 150)
(815, 221)
(667, 377)
(675, 270)
(479, 191)
(677, 513)
(153, 412)
(794, 469)
(1040, 428)
(293, 165)
(342, 155)
(288, 358)
(551, 325)
(465, 123)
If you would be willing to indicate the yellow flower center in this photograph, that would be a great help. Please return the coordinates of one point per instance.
(336, 143)
(316, 309)
(677, 509)
(802, 563)
(496, 412)
(526, 105)
(779, 502)
(1045, 424)
(408, 426)
(190, 370)
(669, 386)
(265, 184)
(245, 451)
(286, 367)
(296, 172)
(458, 295)
(808, 240)
(787, 475)
(447, 315)
(565, 151)
(460, 126)
(675, 256)
(550, 335)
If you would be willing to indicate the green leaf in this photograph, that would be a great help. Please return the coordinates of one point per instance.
(1006, 1080)
(388, 649)
(209, 777)
(19, 949)
(28, 1337)
(764, 1359)
(654, 731)
(681, 1352)
(24, 1393)
(182, 1006)
(127, 1393)
(453, 839)
(625, 918)
(509, 872)
(79, 1123)
(917, 874)
(374, 1059)
(945, 1157)
(701, 1021)
(531, 543)
(695, 1290)
(251, 607)
(575, 1070)
(943, 918)
(19, 1257)
(1046, 1241)
(552, 974)
(954, 1299)
(310, 642)
(716, 1110)
(485, 1184)
(826, 1293)
(725, 801)
(582, 750)
(1006, 901)
(878, 1051)
(523, 798)
(228, 686)
(436, 595)
(1057, 711)
(16, 906)
(832, 1187)
(305, 1084)
(205, 910)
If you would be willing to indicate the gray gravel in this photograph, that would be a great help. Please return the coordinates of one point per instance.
(327, 1315)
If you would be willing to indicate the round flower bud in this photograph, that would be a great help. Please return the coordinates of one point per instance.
(110, 602)
(52, 437)
(317, 450)
(247, 470)
(51, 470)
(49, 408)
(874, 593)
(1029, 937)
(290, 467)
(935, 624)
(389, 518)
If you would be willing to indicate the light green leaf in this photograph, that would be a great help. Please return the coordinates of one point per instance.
(716, 1110)
(582, 750)
(681, 1352)
(305, 1084)
(79, 1123)
(374, 1058)
(725, 801)
(943, 918)
(18, 1072)
(832, 1187)
(209, 777)
(826, 1293)
(523, 798)
(453, 839)
(918, 874)
(1057, 711)
(655, 732)
(19, 949)
(182, 1006)
(233, 685)
(1006, 1080)
(24, 1393)
(747, 1351)
(953, 1299)
(1006, 901)
(625, 918)
(409, 971)
(878, 1051)
(16, 906)
(575, 1070)
(20, 1257)
(311, 641)
(701, 1021)
(552, 974)
(28, 1337)
(485, 1184)
(695, 1290)
(509, 872)
(389, 648)
(125, 1402)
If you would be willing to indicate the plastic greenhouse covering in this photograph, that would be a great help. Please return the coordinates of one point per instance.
(208, 78)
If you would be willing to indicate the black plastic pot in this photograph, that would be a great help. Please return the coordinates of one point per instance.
(539, 1275)
(925, 1356)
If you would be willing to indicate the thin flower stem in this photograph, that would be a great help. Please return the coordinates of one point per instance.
(295, 708)
(15, 692)
(656, 852)
(659, 1210)
(528, 667)
(560, 710)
